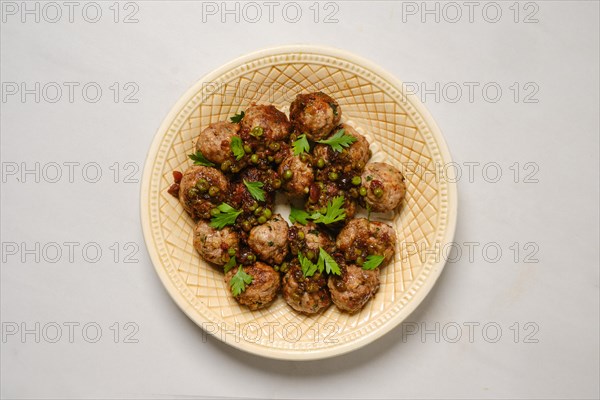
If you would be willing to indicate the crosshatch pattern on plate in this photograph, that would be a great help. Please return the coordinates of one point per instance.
(397, 134)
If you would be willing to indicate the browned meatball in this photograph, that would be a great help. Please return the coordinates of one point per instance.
(322, 192)
(269, 241)
(275, 125)
(385, 186)
(354, 288)
(361, 238)
(315, 114)
(215, 246)
(307, 239)
(302, 174)
(263, 289)
(214, 141)
(201, 189)
(308, 295)
(350, 159)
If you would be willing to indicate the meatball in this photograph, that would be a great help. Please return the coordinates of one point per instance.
(354, 288)
(361, 238)
(214, 141)
(350, 159)
(315, 114)
(215, 246)
(307, 239)
(297, 182)
(323, 192)
(385, 186)
(263, 289)
(273, 123)
(201, 189)
(269, 241)
(308, 295)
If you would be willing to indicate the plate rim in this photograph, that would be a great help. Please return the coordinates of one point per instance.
(305, 354)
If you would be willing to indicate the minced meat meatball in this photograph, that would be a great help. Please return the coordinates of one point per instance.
(350, 159)
(361, 238)
(215, 246)
(214, 142)
(269, 241)
(263, 289)
(385, 186)
(307, 239)
(297, 174)
(308, 295)
(321, 193)
(314, 114)
(272, 125)
(201, 189)
(354, 288)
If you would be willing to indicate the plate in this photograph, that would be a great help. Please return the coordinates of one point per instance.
(400, 131)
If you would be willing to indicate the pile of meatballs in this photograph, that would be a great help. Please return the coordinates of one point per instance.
(264, 245)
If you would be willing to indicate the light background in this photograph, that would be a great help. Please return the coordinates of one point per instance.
(166, 52)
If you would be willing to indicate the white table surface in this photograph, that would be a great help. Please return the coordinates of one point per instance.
(554, 298)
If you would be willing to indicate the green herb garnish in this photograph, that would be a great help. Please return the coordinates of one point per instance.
(298, 215)
(339, 140)
(237, 147)
(255, 190)
(237, 117)
(239, 281)
(199, 159)
(301, 145)
(334, 213)
(373, 261)
(227, 216)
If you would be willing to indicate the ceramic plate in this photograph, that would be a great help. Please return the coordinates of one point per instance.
(400, 131)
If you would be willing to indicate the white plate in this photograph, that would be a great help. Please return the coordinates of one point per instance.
(400, 131)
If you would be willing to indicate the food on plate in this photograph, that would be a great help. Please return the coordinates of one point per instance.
(385, 186)
(325, 255)
(353, 288)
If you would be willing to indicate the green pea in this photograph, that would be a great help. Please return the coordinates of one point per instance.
(251, 257)
(254, 159)
(360, 261)
(301, 235)
(267, 213)
(320, 163)
(287, 175)
(270, 158)
(363, 191)
(215, 211)
(202, 187)
(247, 149)
(276, 268)
(258, 210)
(356, 180)
(262, 220)
(193, 192)
(333, 176)
(246, 226)
(226, 165)
(257, 131)
(213, 191)
(274, 146)
(378, 192)
(277, 183)
(253, 206)
(310, 255)
(283, 267)
(231, 251)
(303, 157)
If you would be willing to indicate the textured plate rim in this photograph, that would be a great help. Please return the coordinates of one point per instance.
(282, 354)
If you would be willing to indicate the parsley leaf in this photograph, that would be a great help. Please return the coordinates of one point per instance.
(334, 213)
(331, 267)
(230, 264)
(339, 140)
(237, 147)
(255, 190)
(308, 268)
(199, 159)
(373, 261)
(239, 281)
(301, 145)
(298, 215)
(227, 216)
(237, 117)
